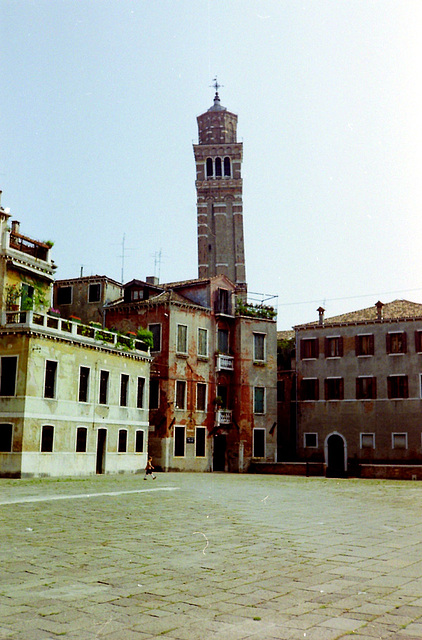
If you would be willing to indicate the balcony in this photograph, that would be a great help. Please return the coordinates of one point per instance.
(31, 247)
(72, 330)
(223, 417)
(224, 362)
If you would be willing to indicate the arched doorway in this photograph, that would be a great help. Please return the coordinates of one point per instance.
(336, 456)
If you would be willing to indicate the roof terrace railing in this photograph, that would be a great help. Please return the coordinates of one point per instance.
(72, 329)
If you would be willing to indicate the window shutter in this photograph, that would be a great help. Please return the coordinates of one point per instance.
(358, 392)
(371, 344)
(374, 387)
(417, 341)
(302, 349)
(341, 389)
(389, 393)
(404, 342)
(388, 343)
(326, 389)
(317, 389)
(405, 387)
(357, 352)
(340, 346)
(326, 351)
(317, 348)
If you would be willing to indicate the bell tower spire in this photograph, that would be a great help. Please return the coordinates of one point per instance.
(218, 158)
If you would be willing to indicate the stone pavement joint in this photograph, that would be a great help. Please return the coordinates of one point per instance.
(225, 557)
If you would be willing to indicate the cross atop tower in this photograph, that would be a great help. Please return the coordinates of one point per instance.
(216, 86)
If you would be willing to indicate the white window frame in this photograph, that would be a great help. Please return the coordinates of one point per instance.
(143, 440)
(308, 446)
(157, 324)
(264, 401)
(16, 372)
(184, 395)
(127, 389)
(178, 349)
(203, 355)
(264, 336)
(90, 284)
(54, 437)
(399, 433)
(105, 404)
(81, 426)
(206, 397)
(179, 426)
(205, 441)
(56, 380)
(88, 388)
(118, 439)
(368, 435)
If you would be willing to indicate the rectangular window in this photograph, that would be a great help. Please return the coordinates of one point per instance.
(201, 396)
(309, 348)
(154, 393)
(334, 389)
(81, 437)
(399, 440)
(259, 400)
(104, 376)
(182, 338)
(364, 344)
(140, 393)
(124, 389)
(83, 383)
(223, 302)
(6, 432)
(333, 347)
(396, 342)
(179, 442)
(259, 347)
(366, 388)
(94, 292)
(122, 443)
(47, 437)
(9, 365)
(180, 394)
(203, 342)
(200, 441)
(156, 336)
(310, 440)
(309, 389)
(64, 295)
(139, 441)
(367, 440)
(223, 340)
(258, 443)
(50, 379)
(397, 387)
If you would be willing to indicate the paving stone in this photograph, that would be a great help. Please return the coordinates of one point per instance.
(306, 561)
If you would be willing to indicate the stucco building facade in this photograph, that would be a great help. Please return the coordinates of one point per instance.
(359, 390)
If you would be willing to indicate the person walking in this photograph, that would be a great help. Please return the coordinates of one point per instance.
(149, 469)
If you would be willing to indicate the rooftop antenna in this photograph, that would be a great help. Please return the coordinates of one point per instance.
(157, 261)
(124, 251)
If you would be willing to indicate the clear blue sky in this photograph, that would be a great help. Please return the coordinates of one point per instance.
(99, 101)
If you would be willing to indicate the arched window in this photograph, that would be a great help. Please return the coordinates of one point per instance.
(210, 171)
(227, 168)
(218, 168)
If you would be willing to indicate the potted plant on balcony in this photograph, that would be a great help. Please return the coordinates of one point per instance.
(75, 319)
(55, 313)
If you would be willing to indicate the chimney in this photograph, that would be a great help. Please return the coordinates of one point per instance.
(0, 199)
(321, 315)
(379, 305)
(15, 226)
(152, 280)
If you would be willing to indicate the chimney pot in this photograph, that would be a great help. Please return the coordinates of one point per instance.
(379, 305)
(321, 315)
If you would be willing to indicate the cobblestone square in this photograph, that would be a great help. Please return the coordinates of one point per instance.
(197, 556)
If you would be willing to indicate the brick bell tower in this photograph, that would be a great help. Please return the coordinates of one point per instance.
(218, 158)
